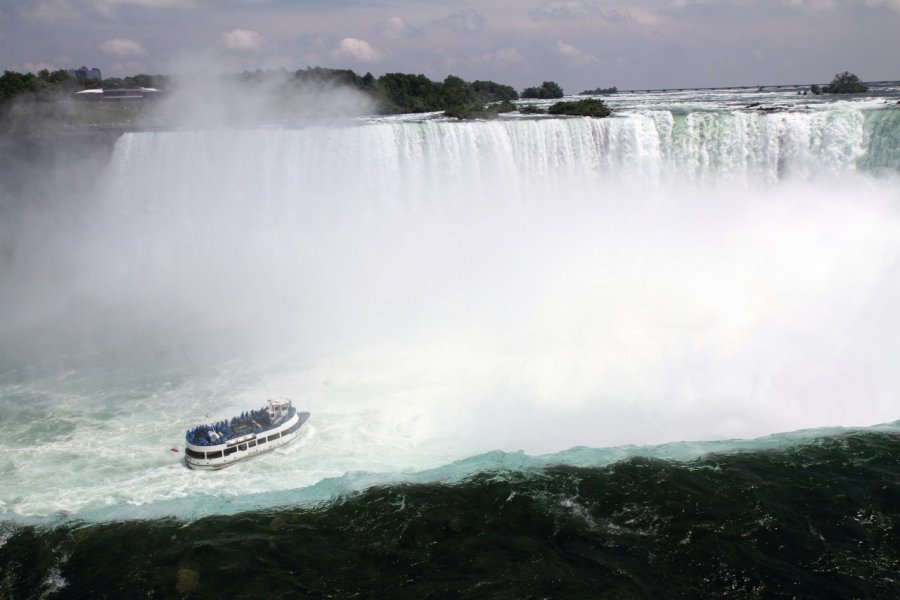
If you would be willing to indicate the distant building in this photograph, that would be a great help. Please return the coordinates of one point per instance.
(85, 73)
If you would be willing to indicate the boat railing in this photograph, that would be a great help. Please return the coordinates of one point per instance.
(254, 421)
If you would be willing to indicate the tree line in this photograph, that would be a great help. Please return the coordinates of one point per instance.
(397, 93)
(391, 93)
(48, 85)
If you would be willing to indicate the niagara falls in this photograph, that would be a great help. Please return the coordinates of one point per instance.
(368, 300)
(433, 291)
(448, 299)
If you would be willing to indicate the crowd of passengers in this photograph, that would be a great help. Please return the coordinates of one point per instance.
(253, 421)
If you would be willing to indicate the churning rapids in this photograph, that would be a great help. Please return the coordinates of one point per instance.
(442, 295)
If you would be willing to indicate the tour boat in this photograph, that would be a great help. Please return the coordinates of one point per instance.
(251, 433)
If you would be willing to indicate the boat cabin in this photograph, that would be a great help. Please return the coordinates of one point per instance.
(278, 409)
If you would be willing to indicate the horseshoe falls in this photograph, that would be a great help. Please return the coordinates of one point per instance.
(527, 310)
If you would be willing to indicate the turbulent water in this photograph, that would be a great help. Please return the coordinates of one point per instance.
(559, 351)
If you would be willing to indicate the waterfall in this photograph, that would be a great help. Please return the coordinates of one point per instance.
(431, 290)
(410, 162)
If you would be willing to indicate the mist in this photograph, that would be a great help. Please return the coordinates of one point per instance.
(202, 95)
(56, 195)
(516, 294)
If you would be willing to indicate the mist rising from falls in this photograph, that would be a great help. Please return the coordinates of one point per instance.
(433, 289)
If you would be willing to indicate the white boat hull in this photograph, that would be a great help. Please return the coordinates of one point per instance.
(211, 458)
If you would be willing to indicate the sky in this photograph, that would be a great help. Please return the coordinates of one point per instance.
(579, 44)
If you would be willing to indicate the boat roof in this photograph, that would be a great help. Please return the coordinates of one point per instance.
(282, 402)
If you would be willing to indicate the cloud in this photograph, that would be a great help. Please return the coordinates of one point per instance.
(507, 55)
(811, 4)
(564, 10)
(574, 54)
(49, 10)
(242, 40)
(108, 8)
(831, 4)
(575, 10)
(56, 10)
(356, 49)
(396, 28)
(893, 4)
(467, 21)
(122, 47)
(567, 50)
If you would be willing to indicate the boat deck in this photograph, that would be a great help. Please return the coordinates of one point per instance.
(247, 423)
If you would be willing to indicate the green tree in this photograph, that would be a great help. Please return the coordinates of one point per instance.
(600, 91)
(13, 84)
(330, 76)
(845, 83)
(478, 110)
(547, 90)
(456, 92)
(114, 83)
(589, 107)
(146, 81)
(403, 93)
(531, 109)
(489, 91)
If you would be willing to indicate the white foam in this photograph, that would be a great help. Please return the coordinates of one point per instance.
(433, 291)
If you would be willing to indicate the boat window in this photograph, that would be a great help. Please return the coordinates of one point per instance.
(261, 440)
(251, 443)
(212, 455)
(194, 453)
(274, 437)
(293, 428)
(231, 450)
(242, 447)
